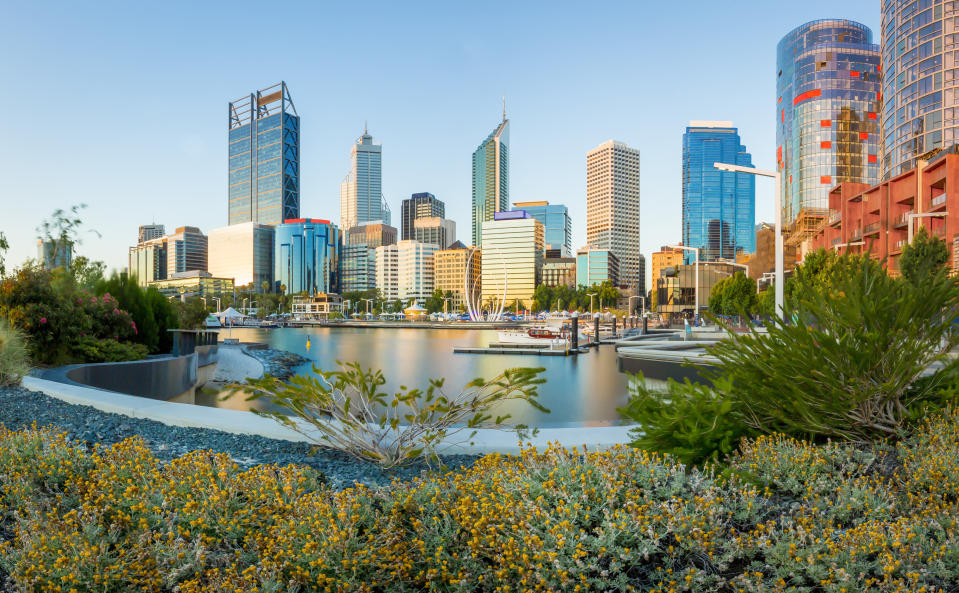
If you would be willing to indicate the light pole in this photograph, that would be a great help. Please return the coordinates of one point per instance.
(912, 216)
(777, 178)
(218, 307)
(446, 301)
(696, 287)
(731, 263)
(368, 301)
(765, 275)
(591, 295)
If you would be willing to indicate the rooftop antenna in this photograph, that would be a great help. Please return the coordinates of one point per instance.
(365, 128)
(504, 106)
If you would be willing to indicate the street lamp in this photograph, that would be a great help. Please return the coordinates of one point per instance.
(912, 216)
(368, 302)
(591, 295)
(218, 307)
(445, 302)
(696, 287)
(732, 263)
(777, 177)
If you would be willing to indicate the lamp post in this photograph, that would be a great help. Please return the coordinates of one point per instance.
(446, 301)
(738, 265)
(765, 275)
(912, 216)
(368, 301)
(218, 307)
(777, 179)
(591, 295)
(696, 287)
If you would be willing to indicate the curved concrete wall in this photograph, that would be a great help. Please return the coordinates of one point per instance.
(155, 378)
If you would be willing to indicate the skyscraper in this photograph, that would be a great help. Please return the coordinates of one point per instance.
(421, 205)
(919, 80)
(243, 252)
(361, 192)
(512, 258)
(556, 224)
(490, 178)
(612, 205)
(827, 128)
(719, 207)
(150, 231)
(435, 231)
(264, 157)
(307, 255)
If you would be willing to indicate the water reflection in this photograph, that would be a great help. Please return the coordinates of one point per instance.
(579, 390)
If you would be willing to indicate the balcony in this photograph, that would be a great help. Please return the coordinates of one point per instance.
(835, 216)
(856, 234)
(870, 228)
(938, 202)
(938, 232)
(902, 220)
(897, 246)
(837, 240)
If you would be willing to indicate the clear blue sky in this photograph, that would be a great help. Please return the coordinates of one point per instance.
(124, 106)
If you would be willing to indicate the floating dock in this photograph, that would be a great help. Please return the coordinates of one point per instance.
(517, 350)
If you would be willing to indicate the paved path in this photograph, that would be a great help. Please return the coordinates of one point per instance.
(234, 365)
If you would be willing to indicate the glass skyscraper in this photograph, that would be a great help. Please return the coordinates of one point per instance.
(361, 192)
(557, 226)
(827, 127)
(920, 81)
(719, 207)
(264, 157)
(490, 178)
(307, 256)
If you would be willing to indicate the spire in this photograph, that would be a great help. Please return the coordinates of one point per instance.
(504, 106)
(365, 128)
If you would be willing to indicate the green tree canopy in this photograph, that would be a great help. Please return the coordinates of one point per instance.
(927, 256)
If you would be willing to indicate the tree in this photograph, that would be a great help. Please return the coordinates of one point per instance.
(716, 294)
(62, 231)
(264, 287)
(152, 313)
(86, 273)
(927, 256)
(3, 249)
(434, 303)
(191, 313)
(607, 293)
(735, 295)
(543, 297)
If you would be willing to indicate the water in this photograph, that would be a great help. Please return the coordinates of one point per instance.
(582, 390)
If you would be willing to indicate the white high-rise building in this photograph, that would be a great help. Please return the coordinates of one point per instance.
(405, 271)
(612, 205)
(361, 192)
(512, 258)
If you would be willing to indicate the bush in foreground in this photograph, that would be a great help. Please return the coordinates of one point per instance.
(14, 362)
(790, 516)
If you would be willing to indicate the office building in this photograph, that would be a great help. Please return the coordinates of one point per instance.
(559, 271)
(387, 272)
(764, 259)
(641, 289)
(595, 266)
(557, 226)
(194, 283)
(244, 252)
(666, 257)
(415, 271)
(307, 256)
(719, 207)
(186, 251)
(421, 205)
(53, 254)
(361, 192)
(512, 258)
(371, 234)
(490, 178)
(148, 232)
(827, 122)
(675, 292)
(612, 205)
(357, 268)
(147, 261)
(264, 157)
(435, 231)
(457, 270)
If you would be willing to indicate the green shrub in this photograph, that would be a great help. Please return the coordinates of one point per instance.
(152, 313)
(14, 361)
(91, 349)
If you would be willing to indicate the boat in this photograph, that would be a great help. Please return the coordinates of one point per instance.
(212, 321)
(542, 337)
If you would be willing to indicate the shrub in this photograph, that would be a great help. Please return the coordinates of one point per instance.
(349, 412)
(91, 349)
(13, 355)
(151, 311)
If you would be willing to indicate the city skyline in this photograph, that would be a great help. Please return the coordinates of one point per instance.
(171, 169)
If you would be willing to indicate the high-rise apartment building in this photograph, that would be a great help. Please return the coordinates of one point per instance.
(719, 207)
(920, 87)
(387, 272)
(404, 271)
(243, 252)
(307, 253)
(557, 226)
(150, 231)
(361, 192)
(264, 157)
(612, 205)
(435, 231)
(512, 258)
(421, 205)
(457, 271)
(490, 178)
(595, 266)
(159, 258)
(827, 126)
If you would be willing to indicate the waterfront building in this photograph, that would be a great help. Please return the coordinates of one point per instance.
(490, 178)
(264, 157)
(875, 220)
(557, 226)
(361, 192)
(676, 290)
(559, 271)
(456, 272)
(415, 271)
(666, 257)
(612, 205)
(243, 252)
(316, 306)
(194, 283)
(148, 232)
(357, 268)
(307, 255)
(53, 254)
(827, 122)
(595, 266)
(719, 207)
(421, 205)
(435, 231)
(387, 272)
(512, 258)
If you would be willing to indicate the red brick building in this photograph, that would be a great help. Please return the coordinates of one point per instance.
(876, 219)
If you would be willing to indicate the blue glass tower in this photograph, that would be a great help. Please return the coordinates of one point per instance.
(490, 178)
(307, 256)
(557, 227)
(719, 207)
(264, 157)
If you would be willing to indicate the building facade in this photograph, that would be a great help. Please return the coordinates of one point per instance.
(307, 257)
(264, 157)
(371, 234)
(244, 252)
(557, 226)
(676, 292)
(147, 261)
(764, 260)
(52, 254)
(490, 178)
(512, 258)
(421, 205)
(357, 268)
(612, 205)
(361, 192)
(435, 231)
(920, 83)
(666, 257)
(595, 266)
(387, 272)
(458, 270)
(827, 123)
(719, 207)
(147, 232)
(187, 250)
(415, 271)
(559, 271)
(195, 283)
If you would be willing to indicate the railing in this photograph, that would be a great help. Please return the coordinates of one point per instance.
(902, 219)
(834, 217)
(837, 240)
(941, 199)
(900, 243)
(856, 234)
(870, 228)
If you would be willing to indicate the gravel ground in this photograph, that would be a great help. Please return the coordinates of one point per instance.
(20, 407)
